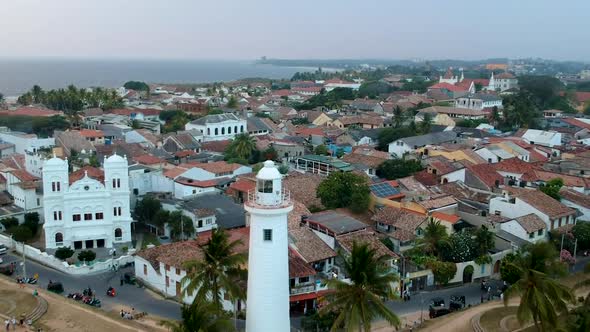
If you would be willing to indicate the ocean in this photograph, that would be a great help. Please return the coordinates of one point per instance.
(19, 75)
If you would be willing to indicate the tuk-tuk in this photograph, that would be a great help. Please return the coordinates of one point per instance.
(457, 302)
(7, 270)
(55, 287)
(129, 278)
(434, 312)
(437, 302)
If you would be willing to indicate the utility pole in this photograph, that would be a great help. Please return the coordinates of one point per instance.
(24, 262)
(181, 226)
(562, 237)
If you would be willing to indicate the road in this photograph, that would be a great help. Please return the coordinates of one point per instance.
(145, 300)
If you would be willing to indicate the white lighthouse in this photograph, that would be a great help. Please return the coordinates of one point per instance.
(267, 307)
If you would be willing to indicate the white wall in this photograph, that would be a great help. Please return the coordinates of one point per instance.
(478, 271)
(229, 128)
(487, 155)
(182, 191)
(458, 175)
(585, 211)
(399, 150)
(329, 240)
(514, 228)
(24, 142)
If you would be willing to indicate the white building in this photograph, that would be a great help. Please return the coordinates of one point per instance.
(268, 255)
(24, 141)
(218, 127)
(86, 213)
(529, 227)
(479, 101)
(542, 137)
(503, 82)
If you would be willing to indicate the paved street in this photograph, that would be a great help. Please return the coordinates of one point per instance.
(128, 295)
(144, 300)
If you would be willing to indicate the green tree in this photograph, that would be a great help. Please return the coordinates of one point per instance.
(552, 187)
(463, 247)
(374, 89)
(434, 239)
(344, 189)
(542, 298)
(284, 169)
(220, 269)
(1, 99)
(21, 233)
(426, 124)
(485, 240)
(321, 150)
(398, 168)
(358, 303)
(232, 102)
(32, 221)
(137, 85)
(389, 134)
(242, 146)
(177, 229)
(398, 116)
(146, 209)
(9, 222)
(443, 271)
(201, 316)
(581, 232)
(86, 255)
(63, 253)
(519, 111)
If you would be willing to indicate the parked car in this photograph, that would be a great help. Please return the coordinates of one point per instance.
(3, 249)
(55, 287)
(434, 312)
(437, 302)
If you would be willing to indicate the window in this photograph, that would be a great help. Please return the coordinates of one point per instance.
(76, 217)
(222, 130)
(216, 131)
(38, 202)
(200, 223)
(177, 271)
(167, 267)
(145, 269)
(59, 239)
(55, 186)
(118, 234)
(209, 221)
(116, 183)
(540, 232)
(235, 129)
(99, 216)
(117, 211)
(242, 128)
(267, 234)
(167, 281)
(265, 186)
(87, 216)
(303, 280)
(531, 235)
(57, 215)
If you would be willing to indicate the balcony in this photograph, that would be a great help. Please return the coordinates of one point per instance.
(302, 289)
(281, 200)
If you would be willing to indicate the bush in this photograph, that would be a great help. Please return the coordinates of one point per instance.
(9, 222)
(21, 233)
(64, 253)
(86, 255)
(443, 271)
(283, 169)
(32, 222)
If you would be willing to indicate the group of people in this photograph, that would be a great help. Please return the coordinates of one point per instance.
(13, 322)
(127, 315)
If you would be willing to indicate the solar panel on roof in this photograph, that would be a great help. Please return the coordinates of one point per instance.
(384, 189)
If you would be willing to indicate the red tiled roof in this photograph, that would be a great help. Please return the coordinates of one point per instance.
(514, 165)
(426, 178)
(196, 183)
(91, 133)
(129, 111)
(308, 296)
(447, 86)
(298, 267)
(243, 185)
(542, 202)
(215, 146)
(185, 153)
(215, 167)
(576, 122)
(451, 218)
(486, 173)
(23, 175)
(304, 131)
(93, 172)
(147, 159)
(174, 172)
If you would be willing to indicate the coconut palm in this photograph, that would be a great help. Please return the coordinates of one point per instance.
(219, 269)
(201, 316)
(398, 116)
(434, 239)
(358, 303)
(542, 298)
(243, 145)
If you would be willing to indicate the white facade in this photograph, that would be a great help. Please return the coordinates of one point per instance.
(24, 196)
(399, 148)
(86, 213)
(475, 103)
(542, 137)
(585, 212)
(516, 207)
(458, 175)
(268, 257)
(514, 228)
(218, 127)
(23, 141)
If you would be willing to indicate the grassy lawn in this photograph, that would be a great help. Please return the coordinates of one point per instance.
(149, 238)
(490, 320)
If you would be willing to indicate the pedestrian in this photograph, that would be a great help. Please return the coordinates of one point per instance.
(481, 298)
(122, 313)
(122, 280)
(13, 321)
(7, 324)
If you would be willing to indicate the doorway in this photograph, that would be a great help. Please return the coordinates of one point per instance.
(77, 244)
(468, 274)
(89, 244)
(100, 243)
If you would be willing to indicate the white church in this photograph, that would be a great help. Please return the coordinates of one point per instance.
(87, 213)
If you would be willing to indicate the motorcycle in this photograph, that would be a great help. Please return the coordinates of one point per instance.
(21, 280)
(75, 296)
(111, 292)
(88, 292)
(91, 301)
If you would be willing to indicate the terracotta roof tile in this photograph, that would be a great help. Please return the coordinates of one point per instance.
(147, 159)
(298, 267)
(439, 202)
(575, 197)
(303, 188)
(399, 218)
(93, 172)
(542, 202)
(531, 223)
(451, 218)
(23, 175)
(308, 245)
(346, 241)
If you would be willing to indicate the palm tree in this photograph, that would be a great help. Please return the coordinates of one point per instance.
(359, 302)
(398, 116)
(579, 320)
(201, 316)
(243, 145)
(219, 269)
(426, 123)
(434, 239)
(542, 298)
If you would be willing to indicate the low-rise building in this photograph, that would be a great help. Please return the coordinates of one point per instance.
(219, 126)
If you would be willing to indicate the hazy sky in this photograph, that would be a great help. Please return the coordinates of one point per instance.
(248, 29)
